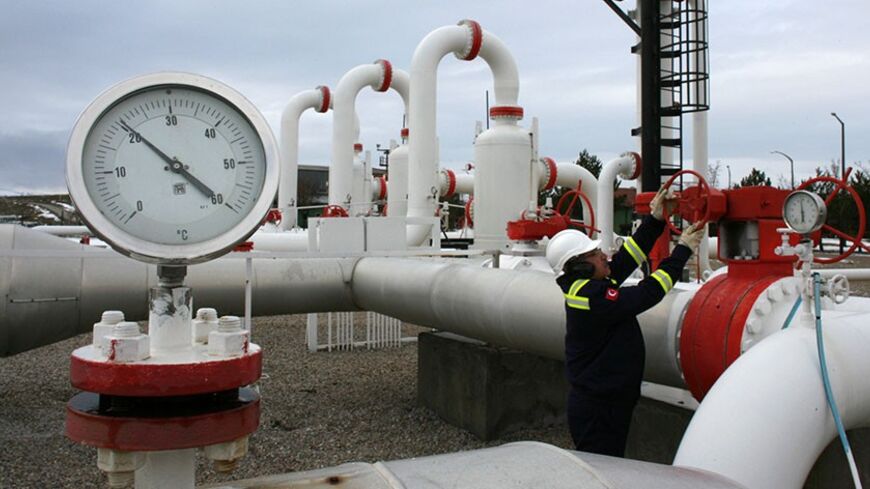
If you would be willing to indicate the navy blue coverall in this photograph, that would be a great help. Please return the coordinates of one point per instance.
(604, 350)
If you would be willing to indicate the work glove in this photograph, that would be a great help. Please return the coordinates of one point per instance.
(692, 236)
(663, 198)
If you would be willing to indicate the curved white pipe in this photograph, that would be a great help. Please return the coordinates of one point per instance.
(318, 99)
(569, 175)
(461, 40)
(765, 421)
(376, 75)
(626, 166)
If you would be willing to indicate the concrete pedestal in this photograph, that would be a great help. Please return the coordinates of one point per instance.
(486, 390)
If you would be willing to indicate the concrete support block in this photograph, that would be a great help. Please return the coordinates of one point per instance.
(486, 390)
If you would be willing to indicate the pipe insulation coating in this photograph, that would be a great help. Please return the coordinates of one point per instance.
(523, 310)
(513, 465)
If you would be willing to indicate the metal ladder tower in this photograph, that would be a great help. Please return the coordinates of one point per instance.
(674, 78)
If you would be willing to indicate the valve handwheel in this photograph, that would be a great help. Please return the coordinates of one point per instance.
(575, 195)
(694, 203)
(333, 211)
(840, 184)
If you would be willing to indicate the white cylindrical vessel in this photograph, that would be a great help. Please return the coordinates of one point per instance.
(502, 160)
(359, 197)
(397, 197)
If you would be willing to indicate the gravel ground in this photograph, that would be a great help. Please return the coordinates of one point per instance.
(318, 410)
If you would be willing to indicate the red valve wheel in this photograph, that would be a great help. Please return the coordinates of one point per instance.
(691, 202)
(841, 184)
(333, 211)
(575, 196)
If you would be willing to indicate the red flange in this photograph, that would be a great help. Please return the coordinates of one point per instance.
(508, 111)
(712, 330)
(451, 183)
(86, 424)
(469, 217)
(325, 96)
(387, 80)
(382, 194)
(244, 246)
(476, 38)
(164, 380)
(552, 172)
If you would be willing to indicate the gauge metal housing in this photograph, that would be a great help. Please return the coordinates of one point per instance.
(804, 212)
(149, 250)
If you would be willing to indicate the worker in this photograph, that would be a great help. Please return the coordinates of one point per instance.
(604, 350)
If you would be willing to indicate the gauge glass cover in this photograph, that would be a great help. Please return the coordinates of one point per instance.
(172, 168)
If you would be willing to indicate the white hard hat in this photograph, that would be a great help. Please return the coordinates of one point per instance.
(566, 244)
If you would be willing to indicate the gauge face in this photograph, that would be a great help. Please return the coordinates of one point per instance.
(172, 167)
(804, 212)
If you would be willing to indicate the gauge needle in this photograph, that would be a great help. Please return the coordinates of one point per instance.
(174, 165)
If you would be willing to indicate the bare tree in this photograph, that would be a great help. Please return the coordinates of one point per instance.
(712, 175)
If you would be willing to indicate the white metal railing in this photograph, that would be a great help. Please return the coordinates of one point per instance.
(341, 334)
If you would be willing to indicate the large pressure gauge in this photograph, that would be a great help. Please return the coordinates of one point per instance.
(172, 168)
(804, 212)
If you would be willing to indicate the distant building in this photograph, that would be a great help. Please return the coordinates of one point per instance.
(313, 190)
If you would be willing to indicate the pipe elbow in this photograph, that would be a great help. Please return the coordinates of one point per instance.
(506, 79)
(402, 85)
(315, 98)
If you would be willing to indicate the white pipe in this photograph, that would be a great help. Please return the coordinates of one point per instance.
(518, 464)
(397, 195)
(699, 159)
(570, 175)
(856, 274)
(319, 100)
(626, 166)
(452, 182)
(64, 230)
(765, 421)
(462, 40)
(377, 75)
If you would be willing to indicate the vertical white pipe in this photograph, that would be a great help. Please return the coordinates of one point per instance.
(466, 41)
(700, 160)
(377, 75)
(318, 99)
(628, 167)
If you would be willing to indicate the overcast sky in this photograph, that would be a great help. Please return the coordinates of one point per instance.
(778, 69)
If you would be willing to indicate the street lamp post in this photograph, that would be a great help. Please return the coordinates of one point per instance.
(791, 162)
(842, 145)
(729, 175)
(842, 159)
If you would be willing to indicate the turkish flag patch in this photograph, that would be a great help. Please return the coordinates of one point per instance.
(612, 294)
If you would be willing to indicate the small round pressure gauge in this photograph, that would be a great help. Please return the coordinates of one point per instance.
(804, 212)
(172, 168)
